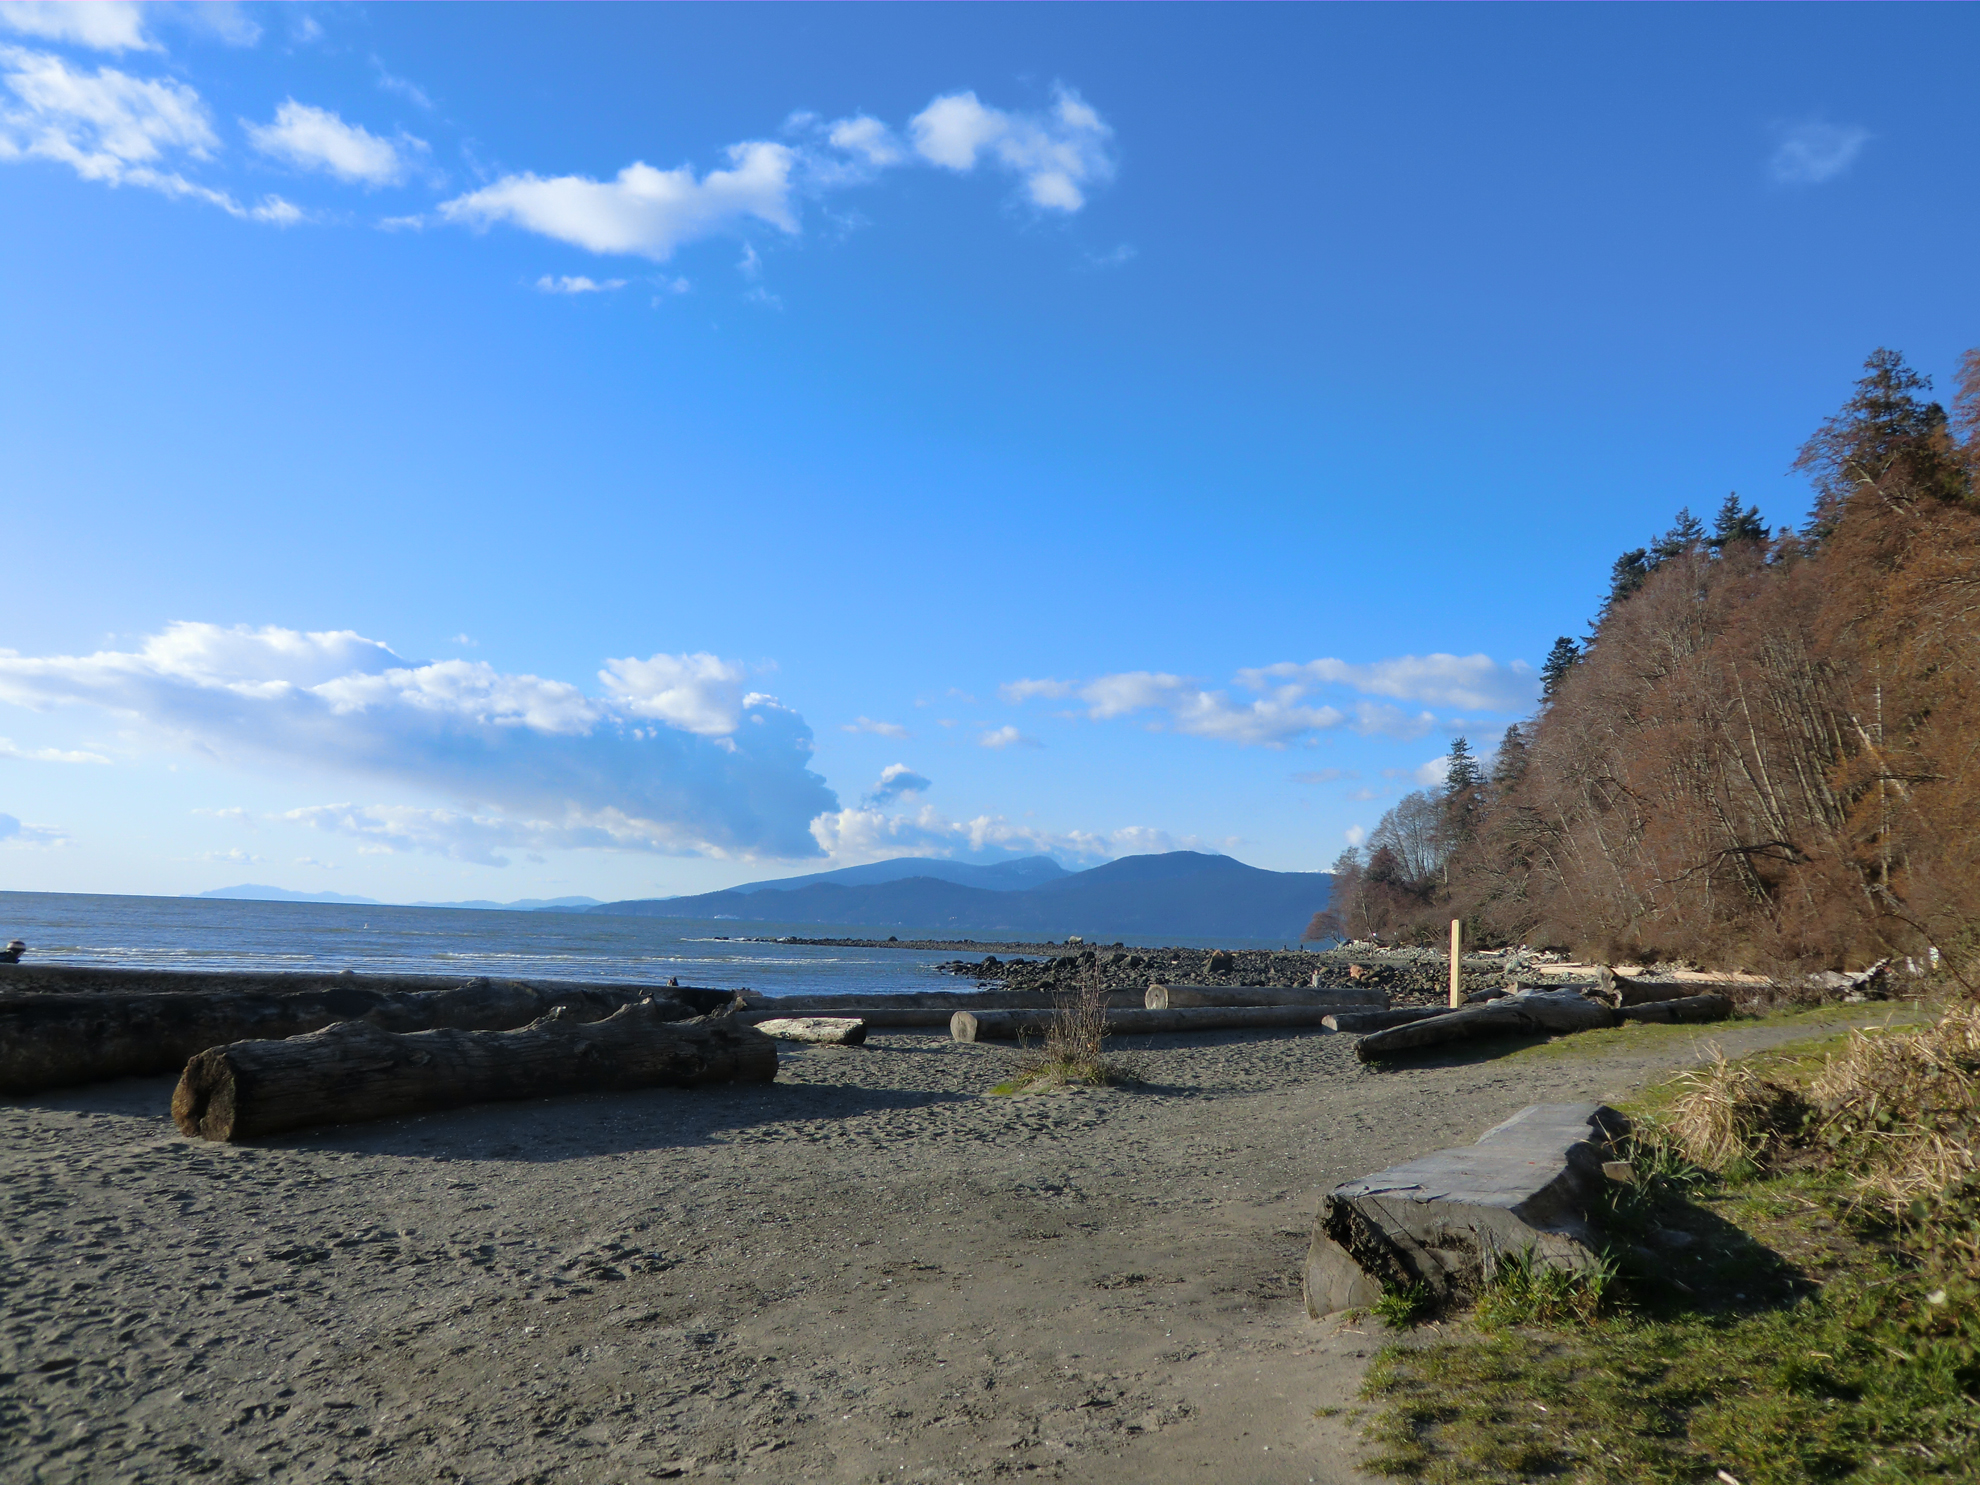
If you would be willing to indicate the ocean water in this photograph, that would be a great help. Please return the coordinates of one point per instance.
(206, 933)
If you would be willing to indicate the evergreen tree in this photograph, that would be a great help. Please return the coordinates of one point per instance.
(1560, 660)
(1735, 525)
(1628, 574)
(1510, 765)
(1685, 535)
(1462, 773)
(1888, 438)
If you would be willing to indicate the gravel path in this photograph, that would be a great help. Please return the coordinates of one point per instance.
(867, 1271)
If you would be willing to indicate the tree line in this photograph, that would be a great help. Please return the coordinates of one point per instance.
(1766, 751)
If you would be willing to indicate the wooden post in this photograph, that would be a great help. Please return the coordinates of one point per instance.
(1457, 961)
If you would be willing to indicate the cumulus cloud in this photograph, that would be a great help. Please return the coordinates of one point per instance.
(897, 781)
(642, 211)
(1008, 737)
(1355, 835)
(852, 836)
(878, 729)
(1810, 153)
(317, 139)
(677, 757)
(111, 127)
(1283, 707)
(1056, 153)
(8, 749)
(578, 285)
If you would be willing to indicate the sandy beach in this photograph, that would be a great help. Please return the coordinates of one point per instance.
(867, 1271)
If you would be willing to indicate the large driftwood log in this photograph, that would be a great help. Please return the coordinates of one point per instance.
(945, 1001)
(353, 1071)
(1382, 1020)
(1531, 1013)
(1174, 997)
(983, 1026)
(1690, 1008)
(75, 979)
(830, 1031)
(58, 1040)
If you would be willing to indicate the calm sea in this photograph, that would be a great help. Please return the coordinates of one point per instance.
(203, 933)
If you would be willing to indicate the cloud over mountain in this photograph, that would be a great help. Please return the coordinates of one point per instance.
(677, 757)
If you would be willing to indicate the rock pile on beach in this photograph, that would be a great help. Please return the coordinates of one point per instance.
(1410, 978)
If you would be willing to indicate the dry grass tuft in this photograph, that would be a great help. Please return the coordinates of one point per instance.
(1730, 1114)
(1904, 1107)
(1074, 1051)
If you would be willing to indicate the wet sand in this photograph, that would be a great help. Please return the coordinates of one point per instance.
(868, 1271)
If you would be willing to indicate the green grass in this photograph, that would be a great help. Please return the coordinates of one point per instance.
(1790, 1334)
(1830, 1023)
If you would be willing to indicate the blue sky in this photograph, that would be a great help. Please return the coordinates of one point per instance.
(511, 451)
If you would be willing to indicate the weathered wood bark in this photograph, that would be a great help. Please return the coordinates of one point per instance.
(945, 1001)
(878, 1017)
(353, 1071)
(831, 1031)
(1690, 1008)
(1174, 997)
(1382, 1020)
(58, 1040)
(982, 1026)
(1536, 1013)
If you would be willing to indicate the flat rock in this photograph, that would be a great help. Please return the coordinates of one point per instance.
(1446, 1220)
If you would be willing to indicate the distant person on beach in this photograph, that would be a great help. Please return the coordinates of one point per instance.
(12, 953)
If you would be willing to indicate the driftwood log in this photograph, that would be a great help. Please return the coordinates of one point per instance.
(1532, 1013)
(1689, 1008)
(57, 1040)
(831, 1031)
(1382, 1020)
(354, 1071)
(1161, 997)
(983, 1026)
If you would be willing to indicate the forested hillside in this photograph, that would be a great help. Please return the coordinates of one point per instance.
(1766, 752)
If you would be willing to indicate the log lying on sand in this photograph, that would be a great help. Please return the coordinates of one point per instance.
(1172, 997)
(983, 1026)
(1444, 1221)
(1530, 1013)
(59, 1040)
(353, 1071)
(1379, 1020)
(832, 1031)
(1690, 1008)
(756, 1005)
(36, 980)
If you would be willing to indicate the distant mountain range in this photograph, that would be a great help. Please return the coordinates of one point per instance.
(251, 892)
(1182, 894)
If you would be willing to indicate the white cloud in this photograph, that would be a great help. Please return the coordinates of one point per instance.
(1008, 737)
(645, 211)
(1056, 153)
(1355, 834)
(1285, 710)
(1021, 691)
(699, 693)
(1431, 771)
(853, 836)
(879, 729)
(8, 749)
(578, 285)
(676, 758)
(1059, 153)
(107, 26)
(897, 781)
(1812, 152)
(1473, 681)
(111, 127)
(311, 138)
(410, 91)
(14, 833)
